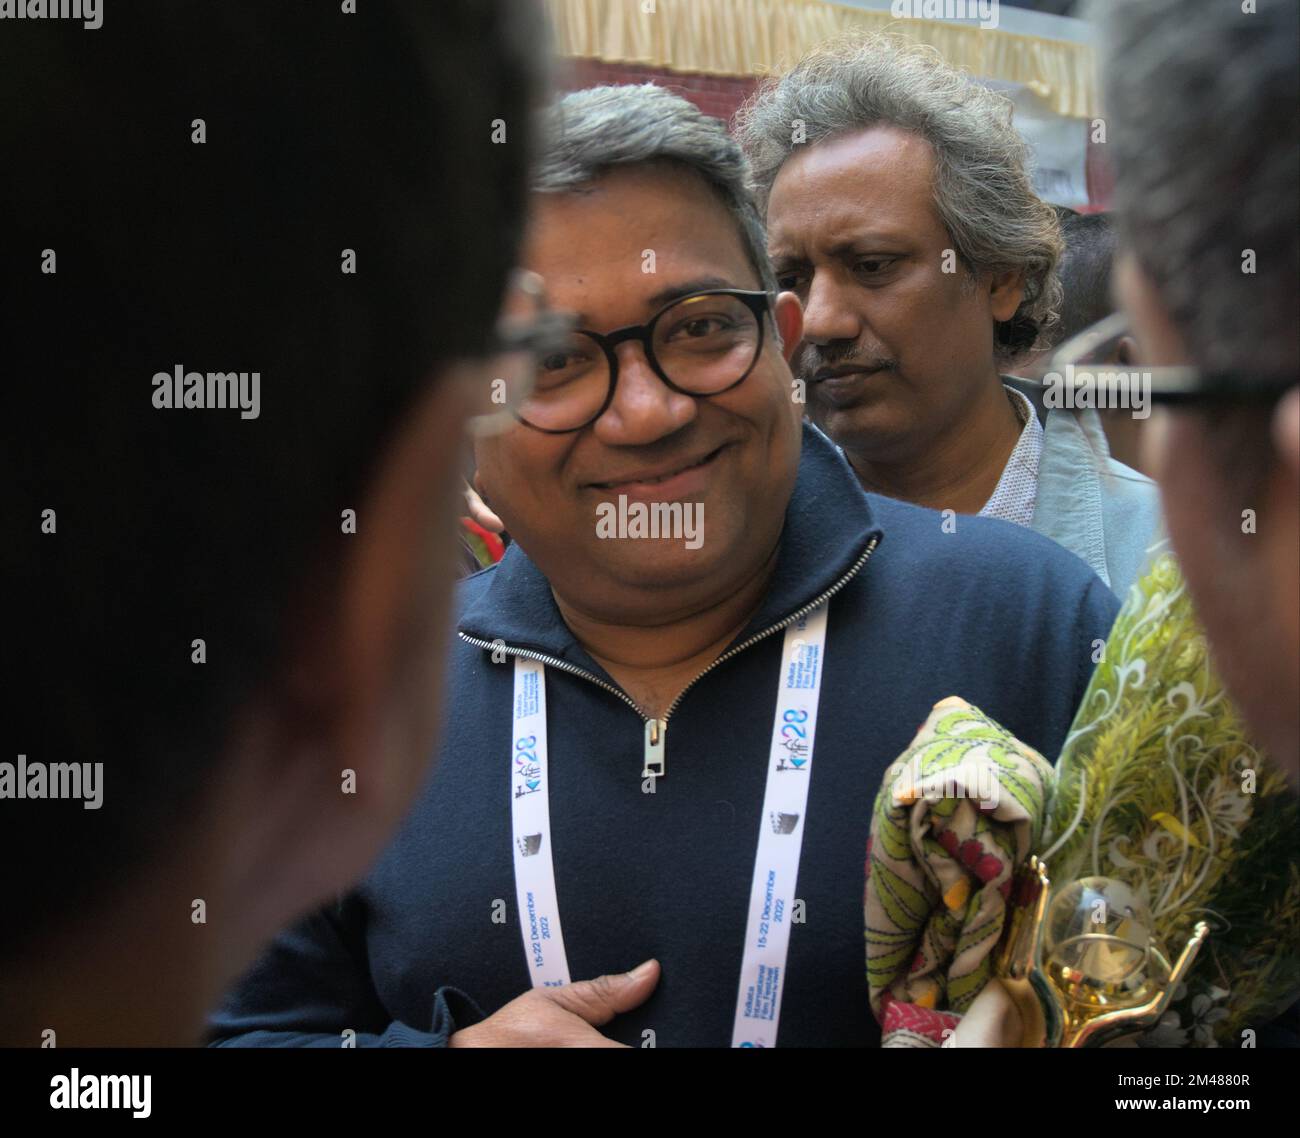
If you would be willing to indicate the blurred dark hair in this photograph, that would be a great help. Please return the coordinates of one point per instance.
(1084, 269)
(325, 131)
(1205, 142)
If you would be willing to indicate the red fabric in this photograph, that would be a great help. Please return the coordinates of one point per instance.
(926, 1023)
(495, 547)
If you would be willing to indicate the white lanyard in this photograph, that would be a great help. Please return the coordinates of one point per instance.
(780, 833)
(539, 914)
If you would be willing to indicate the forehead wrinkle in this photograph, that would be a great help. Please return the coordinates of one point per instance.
(841, 185)
(835, 230)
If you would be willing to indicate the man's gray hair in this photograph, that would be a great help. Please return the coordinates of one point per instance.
(982, 190)
(1205, 143)
(587, 133)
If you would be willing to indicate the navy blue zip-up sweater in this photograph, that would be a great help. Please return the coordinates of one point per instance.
(991, 612)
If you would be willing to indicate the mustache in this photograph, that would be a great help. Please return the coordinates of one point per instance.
(812, 358)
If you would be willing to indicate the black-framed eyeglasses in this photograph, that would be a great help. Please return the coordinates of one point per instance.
(1083, 360)
(701, 344)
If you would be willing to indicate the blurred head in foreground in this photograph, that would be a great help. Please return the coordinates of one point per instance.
(1205, 140)
(232, 590)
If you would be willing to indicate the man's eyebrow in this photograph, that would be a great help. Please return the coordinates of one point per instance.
(853, 242)
(667, 295)
(849, 243)
(685, 288)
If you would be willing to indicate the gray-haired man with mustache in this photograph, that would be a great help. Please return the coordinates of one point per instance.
(900, 211)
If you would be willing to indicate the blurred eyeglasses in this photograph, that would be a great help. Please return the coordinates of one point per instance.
(527, 330)
(1089, 356)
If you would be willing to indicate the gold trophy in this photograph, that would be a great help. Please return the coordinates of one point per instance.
(1164, 826)
(1084, 967)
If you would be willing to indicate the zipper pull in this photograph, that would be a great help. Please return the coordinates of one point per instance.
(655, 729)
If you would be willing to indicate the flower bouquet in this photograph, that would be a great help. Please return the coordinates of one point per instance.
(1166, 894)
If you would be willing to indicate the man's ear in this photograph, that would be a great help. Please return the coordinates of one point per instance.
(1006, 291)
(787, 314)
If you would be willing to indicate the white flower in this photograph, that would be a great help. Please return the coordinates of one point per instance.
(1205, 1015)
(1227, 805)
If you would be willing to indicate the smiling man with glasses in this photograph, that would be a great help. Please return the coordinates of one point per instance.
(628, 768)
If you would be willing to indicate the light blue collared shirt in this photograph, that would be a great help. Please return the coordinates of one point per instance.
(1062, 482)
(1098, 508)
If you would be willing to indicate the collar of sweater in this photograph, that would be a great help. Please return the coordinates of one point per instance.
(828, 527)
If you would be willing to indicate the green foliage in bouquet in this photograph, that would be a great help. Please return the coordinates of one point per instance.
(1158, 787)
